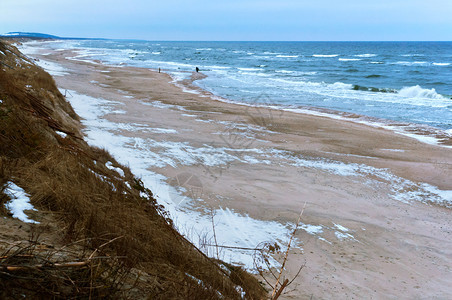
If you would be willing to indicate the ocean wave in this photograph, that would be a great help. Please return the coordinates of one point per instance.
(256, 74)
(419, 92)
(441, 64)
(411, 63)
(349, 59)
(218, 67)
(284, 71)
(287, 56)
(377, 62)
(156, 53)
(325, 55)
(341, 85)
(203, 49)
(366, 55)
(250, 69)
(373, 76)
(292, 83)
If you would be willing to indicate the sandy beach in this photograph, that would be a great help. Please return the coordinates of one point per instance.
(377, 224)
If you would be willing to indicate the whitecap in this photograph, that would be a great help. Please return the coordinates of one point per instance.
(349, 59)
(287, 56)
(366, 55)
(284, 71)
(325, 55)
(411, 63)
(217, 67)
(441, 64)
(341, 85)
(419, 92)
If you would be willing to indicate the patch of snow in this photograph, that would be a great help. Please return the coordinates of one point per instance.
(341, 228)
(19, 202)
(343, 236)
(52, 68)
(109, 165)
(312, 229)
(62, 134)
(394, 150)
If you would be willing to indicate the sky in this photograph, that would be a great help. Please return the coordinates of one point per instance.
(233, 20)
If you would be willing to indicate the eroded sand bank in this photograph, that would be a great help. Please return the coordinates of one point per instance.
(373, 227)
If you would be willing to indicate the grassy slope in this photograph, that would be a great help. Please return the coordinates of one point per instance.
(92, 207)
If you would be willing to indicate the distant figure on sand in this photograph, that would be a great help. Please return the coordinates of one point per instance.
(197, 69)
(159, 70)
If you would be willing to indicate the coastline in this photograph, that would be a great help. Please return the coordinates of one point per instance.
(265, 163)
(421, 132)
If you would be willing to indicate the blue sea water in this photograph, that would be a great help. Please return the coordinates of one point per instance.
(408, 82)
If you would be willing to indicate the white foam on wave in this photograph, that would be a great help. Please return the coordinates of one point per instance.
(287, 56)
(284, 71)
(349, 59)
(411, 63)
(441, 64)
(419, 92)
(218, 67)
(260, 74)
(325, 55)
(366, 55)
(341, 85)
(250, 69)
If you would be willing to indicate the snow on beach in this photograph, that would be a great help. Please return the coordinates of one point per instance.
(19, 202)
(232, 229)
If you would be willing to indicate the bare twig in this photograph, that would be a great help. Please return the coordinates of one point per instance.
(40, 266)
(285, 283)
(212, 215)
(287, 252)
(233, 247)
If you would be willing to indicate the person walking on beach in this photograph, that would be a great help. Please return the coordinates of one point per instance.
(197, 69)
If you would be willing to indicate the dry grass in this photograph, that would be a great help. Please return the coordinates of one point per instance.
(94, 203)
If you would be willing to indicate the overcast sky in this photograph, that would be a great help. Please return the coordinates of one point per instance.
(249, 20)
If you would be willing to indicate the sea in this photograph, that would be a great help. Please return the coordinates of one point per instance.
(405, 86)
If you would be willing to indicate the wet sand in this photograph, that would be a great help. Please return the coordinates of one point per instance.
(362, 185)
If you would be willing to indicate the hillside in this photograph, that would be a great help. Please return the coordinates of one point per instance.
(96, 231)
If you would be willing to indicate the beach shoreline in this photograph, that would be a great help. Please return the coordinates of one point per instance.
(363, 185)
